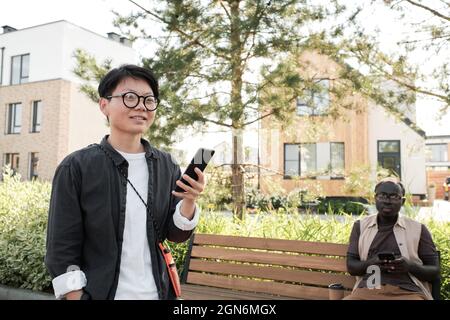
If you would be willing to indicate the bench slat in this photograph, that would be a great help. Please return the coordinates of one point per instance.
(198, 292)
(272, 273)
(310, 262)
(280, 289)
(272, 244)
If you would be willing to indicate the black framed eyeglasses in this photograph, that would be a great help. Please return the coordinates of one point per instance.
(132, 99)
(391, 197)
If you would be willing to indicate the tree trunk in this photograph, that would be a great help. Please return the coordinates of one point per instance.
(237, 112)
(238, 191)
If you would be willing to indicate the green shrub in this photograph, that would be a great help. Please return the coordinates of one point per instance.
(23, 223)
(218, 194)
(339, 206)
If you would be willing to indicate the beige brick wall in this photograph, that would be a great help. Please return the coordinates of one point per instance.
(52, 142)
(70, 121)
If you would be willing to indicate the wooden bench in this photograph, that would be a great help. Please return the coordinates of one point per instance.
(231, 267)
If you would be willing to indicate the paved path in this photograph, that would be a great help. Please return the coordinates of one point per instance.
(440, 211)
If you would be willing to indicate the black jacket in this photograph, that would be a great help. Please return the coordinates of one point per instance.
(87, 216)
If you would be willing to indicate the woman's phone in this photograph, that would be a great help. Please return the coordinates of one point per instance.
(200, 160)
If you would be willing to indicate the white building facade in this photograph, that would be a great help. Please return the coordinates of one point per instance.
(394, 145)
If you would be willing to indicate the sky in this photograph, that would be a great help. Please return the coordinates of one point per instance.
(96, 16)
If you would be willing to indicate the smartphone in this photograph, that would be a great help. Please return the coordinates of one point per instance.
(386, 256)
(200, 160)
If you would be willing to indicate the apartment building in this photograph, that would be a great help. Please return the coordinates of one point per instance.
(44, 115)
(361, 140)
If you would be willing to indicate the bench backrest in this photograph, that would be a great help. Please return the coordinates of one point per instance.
(287, 268)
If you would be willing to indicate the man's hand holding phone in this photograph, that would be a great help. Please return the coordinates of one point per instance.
(392, 263)
(398, 265)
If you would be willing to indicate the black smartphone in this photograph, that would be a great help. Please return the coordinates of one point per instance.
(200, 160)
(386, 256)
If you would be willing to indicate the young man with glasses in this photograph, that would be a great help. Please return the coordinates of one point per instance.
(112, 203)
(378, 238)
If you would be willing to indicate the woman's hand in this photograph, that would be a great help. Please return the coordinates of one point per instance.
(191, 193)
(74, 295)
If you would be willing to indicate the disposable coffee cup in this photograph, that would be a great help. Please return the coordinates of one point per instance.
(336, 291)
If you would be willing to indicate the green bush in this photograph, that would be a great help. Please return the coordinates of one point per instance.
(218, 194)
(23, 223)
(338, 206)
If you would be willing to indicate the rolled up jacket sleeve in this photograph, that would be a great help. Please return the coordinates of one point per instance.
(65, 225)
(176, 234)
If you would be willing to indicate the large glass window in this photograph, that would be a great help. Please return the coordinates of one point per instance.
(14, 118)
(36, 116)
(302, 159)
(34, 161)
(12, 160)
(20, 69)
(389, 156)
(388, 146)
(308, 165)
(291, 160)
(315, 101)
(437, 152)
(337, 152)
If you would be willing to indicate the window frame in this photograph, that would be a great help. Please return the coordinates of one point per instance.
(399, 153)
(31, 172)
(11, 116)
(34, 124)
(445, 149)
(285, 175)
(299, 175)
(21, 77)
(332, 175)
(310, 110)
(11, 157)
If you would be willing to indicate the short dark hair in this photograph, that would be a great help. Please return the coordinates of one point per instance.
(393, 181)
(112, 79)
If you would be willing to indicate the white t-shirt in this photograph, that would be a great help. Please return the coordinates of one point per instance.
(136, 279)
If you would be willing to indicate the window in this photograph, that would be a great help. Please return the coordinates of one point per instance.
(291, 160)
(12, 160)
(14, 118)
(314, 159)
(307, 159)
(34, 161)
(299, 159)
(20, 66)
(389, 156)
(337, 155)
(2, 55)
(315, 101)
(437, 153)
(388, 146)
(36, 116)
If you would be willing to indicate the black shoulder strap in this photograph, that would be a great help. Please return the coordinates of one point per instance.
(155, 225)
